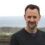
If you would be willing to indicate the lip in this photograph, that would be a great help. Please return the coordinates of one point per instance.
(32, 23)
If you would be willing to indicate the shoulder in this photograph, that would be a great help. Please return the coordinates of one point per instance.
(19, 33)
(16, 37)
(42, 33)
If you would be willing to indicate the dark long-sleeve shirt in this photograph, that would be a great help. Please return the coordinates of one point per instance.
(24, 38)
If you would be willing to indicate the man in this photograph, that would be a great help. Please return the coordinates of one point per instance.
(29, 35)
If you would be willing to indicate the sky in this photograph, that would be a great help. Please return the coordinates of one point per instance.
(16, 7)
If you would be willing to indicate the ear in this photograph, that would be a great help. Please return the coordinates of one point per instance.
(25, 17)
(39, 17)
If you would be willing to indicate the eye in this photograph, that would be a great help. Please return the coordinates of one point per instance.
(29, 16)
(34, 17)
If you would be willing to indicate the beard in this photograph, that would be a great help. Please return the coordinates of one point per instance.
(31, 25)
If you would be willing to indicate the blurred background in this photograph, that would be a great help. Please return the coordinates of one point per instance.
(12, 17)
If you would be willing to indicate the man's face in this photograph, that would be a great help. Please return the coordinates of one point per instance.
(32, 17)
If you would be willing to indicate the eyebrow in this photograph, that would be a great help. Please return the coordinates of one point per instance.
(31, 16)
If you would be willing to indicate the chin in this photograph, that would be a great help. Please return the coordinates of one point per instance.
(32, 27)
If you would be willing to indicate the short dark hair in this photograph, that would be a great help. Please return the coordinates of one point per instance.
(32, 6)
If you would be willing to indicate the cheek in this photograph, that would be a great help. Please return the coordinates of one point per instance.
(26, 19)
(36, 20)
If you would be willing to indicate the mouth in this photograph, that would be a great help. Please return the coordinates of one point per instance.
(32, 24)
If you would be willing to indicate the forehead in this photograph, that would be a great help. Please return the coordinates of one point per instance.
(32, 12)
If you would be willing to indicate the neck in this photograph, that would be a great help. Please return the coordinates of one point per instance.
(30, 30)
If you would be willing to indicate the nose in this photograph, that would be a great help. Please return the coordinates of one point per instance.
(31, 19)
